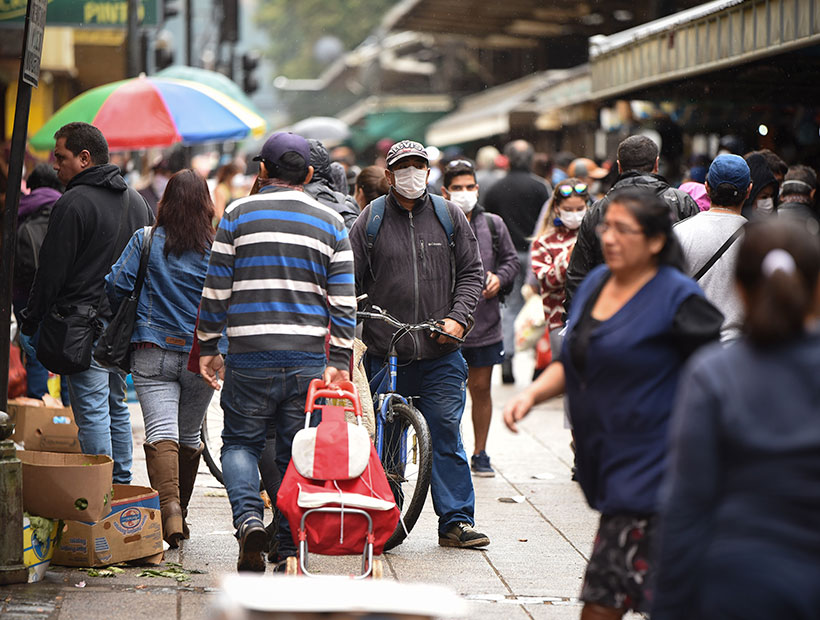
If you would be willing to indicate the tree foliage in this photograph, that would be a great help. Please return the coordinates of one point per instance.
(295, 26)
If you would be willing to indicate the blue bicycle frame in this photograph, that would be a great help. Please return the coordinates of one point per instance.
(385, 381)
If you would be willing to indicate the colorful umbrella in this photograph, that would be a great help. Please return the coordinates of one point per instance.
(214, 79)
(148, 112)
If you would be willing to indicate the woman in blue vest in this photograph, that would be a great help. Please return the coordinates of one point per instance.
(741, 503)
(633, 323)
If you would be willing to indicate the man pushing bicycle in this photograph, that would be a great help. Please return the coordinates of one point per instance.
(417, 258)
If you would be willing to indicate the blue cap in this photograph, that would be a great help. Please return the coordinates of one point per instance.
(284, 142)
(731, 169)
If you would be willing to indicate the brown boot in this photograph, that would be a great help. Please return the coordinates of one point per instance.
(188, 467)
(162, 459)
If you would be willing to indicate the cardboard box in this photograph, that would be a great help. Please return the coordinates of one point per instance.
(131, 531)
(44, 428)
(66, 486)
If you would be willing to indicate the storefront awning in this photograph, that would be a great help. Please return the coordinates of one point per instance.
(489, 113)
(715, 36)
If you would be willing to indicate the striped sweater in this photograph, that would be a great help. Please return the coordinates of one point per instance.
(281, 270)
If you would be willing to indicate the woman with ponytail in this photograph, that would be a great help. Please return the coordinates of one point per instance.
(741, 501)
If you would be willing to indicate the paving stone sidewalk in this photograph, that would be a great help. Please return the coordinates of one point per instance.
(532, 569)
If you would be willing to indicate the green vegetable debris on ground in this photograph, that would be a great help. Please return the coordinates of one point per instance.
(172, 570)
(111, 571)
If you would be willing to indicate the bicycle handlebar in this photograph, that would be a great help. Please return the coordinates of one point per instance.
(429, 325)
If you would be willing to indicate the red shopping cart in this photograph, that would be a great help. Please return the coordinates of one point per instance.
(335, 494)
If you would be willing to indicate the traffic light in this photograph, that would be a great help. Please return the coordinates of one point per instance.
(229, 28)
(250, 61)
(170, 8)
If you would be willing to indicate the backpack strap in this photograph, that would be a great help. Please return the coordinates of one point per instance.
(446, 220)
(374, 221)
(720, 252)
(493, 235)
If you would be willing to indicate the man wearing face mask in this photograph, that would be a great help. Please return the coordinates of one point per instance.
(484, 346)
(761, 201)
(411, 271)
(711, 239)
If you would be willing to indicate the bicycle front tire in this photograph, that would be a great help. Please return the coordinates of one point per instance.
(408, 465)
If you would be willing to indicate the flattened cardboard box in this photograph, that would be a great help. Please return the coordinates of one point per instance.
(36, 429)
(66, 486)
(131, 531)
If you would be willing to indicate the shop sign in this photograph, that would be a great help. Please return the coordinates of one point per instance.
(99, 13)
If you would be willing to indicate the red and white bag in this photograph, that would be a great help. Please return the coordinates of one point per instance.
(336, 465)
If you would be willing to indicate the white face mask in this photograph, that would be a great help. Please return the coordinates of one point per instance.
(765, 205)
(411, 182)
(465, 200)
(571, 219)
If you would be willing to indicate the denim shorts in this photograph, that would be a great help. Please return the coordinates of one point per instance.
(488, 355)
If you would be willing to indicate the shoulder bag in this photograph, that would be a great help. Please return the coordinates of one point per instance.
(114, 347)
(67, 333)
(720, 252)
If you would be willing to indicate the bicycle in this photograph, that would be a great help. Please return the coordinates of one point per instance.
(402, 437)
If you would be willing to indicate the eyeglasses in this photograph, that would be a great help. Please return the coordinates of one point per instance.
(618, 228)
(567, 190)
(460, 162)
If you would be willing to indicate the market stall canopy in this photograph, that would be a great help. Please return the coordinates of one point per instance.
(489, 113)
(718, 36)
(214, 79)
(328, 130)
(520, 23)
(148, 112)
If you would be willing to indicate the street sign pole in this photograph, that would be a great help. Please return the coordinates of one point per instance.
(29, 76)
(12, 569)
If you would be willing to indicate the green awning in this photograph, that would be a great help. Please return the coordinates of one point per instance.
(393, 124)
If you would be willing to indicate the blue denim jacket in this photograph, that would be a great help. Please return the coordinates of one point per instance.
(167, 309)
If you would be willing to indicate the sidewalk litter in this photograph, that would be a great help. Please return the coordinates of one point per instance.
(515, 499)
(39, 537)
(43, 426)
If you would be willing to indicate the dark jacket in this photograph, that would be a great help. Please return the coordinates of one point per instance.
(32, 217)
(82, 243)
(321, 186)
(740, 502)
(801, 212)
(621, 400)
(587, 253)
(518, 199)
(504, 264)
(408, 274)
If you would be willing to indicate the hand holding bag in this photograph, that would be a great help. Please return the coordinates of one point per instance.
(67, 333)
(114, 347)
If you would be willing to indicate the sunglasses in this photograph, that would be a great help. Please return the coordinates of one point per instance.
(567, 190)
(460, 162)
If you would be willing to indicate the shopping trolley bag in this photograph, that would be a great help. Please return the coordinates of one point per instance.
(335, 465)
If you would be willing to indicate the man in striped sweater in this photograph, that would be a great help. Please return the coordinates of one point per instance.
(281, 270)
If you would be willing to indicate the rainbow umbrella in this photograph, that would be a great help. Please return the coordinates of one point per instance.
(147, 112)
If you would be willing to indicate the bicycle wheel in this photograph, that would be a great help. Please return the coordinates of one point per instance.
(212, 437)
(407, 457)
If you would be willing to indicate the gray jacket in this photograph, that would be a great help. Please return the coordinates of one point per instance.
(408, 274)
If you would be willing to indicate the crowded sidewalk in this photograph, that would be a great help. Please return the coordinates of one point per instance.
(542, 536)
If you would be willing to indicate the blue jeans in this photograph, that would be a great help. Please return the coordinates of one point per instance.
(172, 398)
(98, 401)
(254, 399)
(441, 385)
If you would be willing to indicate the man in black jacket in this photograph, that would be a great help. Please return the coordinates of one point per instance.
(638, 167)
(518, 199)
(321, 185)
(86, 234)
(408, 273)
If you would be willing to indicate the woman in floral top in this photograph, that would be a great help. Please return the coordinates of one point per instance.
(552, 248)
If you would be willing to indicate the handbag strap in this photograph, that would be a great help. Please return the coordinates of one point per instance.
(145, 254)
(721, 251)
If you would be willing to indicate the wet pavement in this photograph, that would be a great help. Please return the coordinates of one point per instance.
(532, 569)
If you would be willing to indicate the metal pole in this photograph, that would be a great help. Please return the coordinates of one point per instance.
(9, 227)
(189, 42)
(133, 50)
(12, 569)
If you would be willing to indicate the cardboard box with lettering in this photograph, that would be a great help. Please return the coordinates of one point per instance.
(66, 486)
(51, 429)
(131, 531)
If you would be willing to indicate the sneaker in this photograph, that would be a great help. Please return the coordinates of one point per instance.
(463, 535)
(480, 464)
(253, 539)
